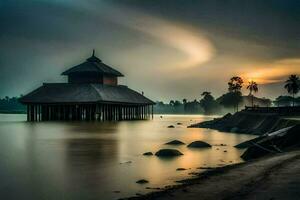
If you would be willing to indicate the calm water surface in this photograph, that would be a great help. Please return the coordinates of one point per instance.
(81, 160)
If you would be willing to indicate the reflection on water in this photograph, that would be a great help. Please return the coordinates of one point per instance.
(85, 160)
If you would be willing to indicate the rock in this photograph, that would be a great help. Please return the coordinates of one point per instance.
(168, 153)
(199, 144)
(222, 145)
(175, 142)
(148, 154)
(128, 162)
(180, 169)
(205, 168)
(142, 181)
(171, 126)
(179, 123)
(153, 188)
(225, 151)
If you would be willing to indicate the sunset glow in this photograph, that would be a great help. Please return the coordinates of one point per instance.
(274, 72)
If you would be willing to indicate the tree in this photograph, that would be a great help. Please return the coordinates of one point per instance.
(235, 85)
(193, 107)
(177, 103)
(283, 100)
(172, 102)
(230, 99)
(184, 101)
(292, 86)
(208, 103)
(252, 87)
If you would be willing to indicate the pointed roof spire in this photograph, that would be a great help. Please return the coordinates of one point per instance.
(93, 58)
(93, 64)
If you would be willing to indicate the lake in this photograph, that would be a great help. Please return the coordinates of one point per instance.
(103, 160)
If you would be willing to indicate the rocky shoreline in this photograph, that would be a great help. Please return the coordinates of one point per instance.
(278, 144)
(276, 133)
(248, 122)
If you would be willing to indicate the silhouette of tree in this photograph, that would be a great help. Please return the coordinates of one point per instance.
(208, 103)
(253, 88)
(11, 105)
(235, 85)
(172, 102)
(193, 107)
(230, 99)
(292, 86)
(184, 101)
(177, 103)
(283, 100)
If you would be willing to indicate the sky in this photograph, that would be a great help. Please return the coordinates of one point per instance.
(171, 49)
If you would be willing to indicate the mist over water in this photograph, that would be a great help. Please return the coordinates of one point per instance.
(91, 160)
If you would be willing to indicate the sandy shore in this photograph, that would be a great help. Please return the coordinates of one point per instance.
(273, 177)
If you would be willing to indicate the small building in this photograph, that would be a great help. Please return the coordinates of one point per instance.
(91, 93)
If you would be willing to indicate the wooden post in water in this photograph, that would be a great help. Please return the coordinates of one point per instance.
(152, 111)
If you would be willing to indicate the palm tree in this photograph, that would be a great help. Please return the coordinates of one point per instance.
(253, 88)
(292, 86)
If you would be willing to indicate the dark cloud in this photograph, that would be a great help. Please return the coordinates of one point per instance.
(39, 39)
(274, 21)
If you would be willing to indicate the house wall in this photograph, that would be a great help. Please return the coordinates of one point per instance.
(110, 80)
(85, 78)
(92, 78)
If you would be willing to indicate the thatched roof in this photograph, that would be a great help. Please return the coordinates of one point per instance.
(84, 93)
(95, 65)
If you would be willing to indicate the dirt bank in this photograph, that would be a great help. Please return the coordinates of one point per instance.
(275, 142)
(273, 177)
(248, 122)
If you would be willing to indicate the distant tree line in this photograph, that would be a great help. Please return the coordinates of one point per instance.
(11, 105)
(207, 104)
(231, 100)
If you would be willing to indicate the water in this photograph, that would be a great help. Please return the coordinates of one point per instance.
(72, 160)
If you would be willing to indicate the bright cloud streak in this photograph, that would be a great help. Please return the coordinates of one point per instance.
(274, 72)
(195, 47)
